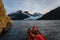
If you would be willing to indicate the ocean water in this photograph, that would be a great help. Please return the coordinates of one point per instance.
(49, 28)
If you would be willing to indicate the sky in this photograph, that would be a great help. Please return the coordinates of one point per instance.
(39, 6)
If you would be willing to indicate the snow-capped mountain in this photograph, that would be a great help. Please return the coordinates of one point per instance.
(20, 15)
(36, 14)
(27, 13)
(34, 17)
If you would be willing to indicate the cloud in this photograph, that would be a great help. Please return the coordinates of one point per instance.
(32, 6)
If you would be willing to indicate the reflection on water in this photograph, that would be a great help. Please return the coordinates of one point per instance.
(49, 28)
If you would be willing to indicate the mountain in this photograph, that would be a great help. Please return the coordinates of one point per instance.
(27, 13)
(35, 16)
(52, 15)
(19, 15)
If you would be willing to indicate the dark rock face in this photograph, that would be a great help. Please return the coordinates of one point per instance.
(18, 15)
(52, 15)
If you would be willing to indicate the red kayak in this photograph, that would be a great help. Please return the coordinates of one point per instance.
(34, 36)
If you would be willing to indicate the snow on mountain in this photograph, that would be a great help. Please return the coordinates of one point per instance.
(20, 15)
(27, 13)
(34, 17)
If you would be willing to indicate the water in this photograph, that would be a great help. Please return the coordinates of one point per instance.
(49, 28)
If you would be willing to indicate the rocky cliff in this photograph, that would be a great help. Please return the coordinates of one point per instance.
(4, 19)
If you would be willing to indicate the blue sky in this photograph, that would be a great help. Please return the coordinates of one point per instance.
(41, 6)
